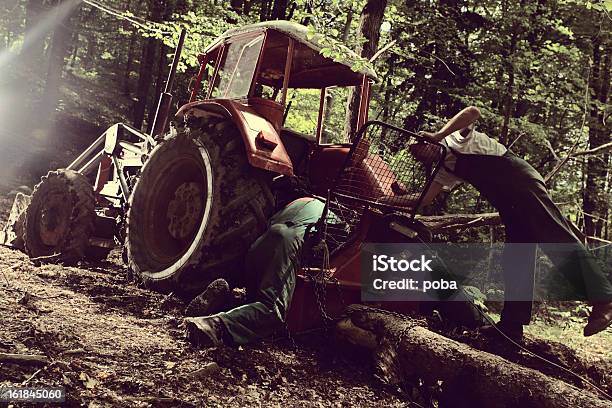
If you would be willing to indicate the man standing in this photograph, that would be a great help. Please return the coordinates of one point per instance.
(518, 192)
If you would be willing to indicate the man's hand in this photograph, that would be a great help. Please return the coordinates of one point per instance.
(406, 200)
(432, 137)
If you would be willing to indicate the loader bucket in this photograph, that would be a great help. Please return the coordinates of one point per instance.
(12, 234)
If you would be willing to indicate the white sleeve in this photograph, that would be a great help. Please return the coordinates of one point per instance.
(446, 179)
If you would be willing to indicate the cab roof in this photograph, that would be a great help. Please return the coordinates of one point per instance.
(318, 61)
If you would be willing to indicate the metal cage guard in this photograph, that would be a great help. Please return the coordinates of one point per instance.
(384, 162)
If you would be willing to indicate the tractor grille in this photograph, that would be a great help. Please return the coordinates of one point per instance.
(381, 173)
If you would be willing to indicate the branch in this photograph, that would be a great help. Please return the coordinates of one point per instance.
(445, 223)
(517, 139)
(383, 49)
(597, 150)
(552, 151)
(23, 359)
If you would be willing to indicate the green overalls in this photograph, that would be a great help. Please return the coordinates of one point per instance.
(271, 266)
(518, 192)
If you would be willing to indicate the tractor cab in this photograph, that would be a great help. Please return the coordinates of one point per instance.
(278, 80)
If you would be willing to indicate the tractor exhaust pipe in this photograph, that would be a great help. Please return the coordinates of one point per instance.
(165, 99)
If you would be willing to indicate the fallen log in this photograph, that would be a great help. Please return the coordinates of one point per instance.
(405, 351)
(446, 223)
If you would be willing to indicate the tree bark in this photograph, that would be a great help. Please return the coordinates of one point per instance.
(236, 5)
(508, 99)
(143, 89)
(59, 49)
(329, 98)
(369, 30)
(130, 54)
(438, 224)
(594, 201)
(405, 351)
(161, 75)
(128, 64)
(265, 10)
(279, 10)
(34, 40)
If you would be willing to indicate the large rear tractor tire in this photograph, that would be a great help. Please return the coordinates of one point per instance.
(60, 217)
(197, 207)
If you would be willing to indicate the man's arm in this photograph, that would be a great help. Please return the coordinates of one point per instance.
(460, 121)
(410, 200)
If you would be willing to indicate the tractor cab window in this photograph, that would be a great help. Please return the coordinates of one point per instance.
(206, 71)
(304, 105)
(269, 82)
(334, 123)
(302, 111)
(237, 68)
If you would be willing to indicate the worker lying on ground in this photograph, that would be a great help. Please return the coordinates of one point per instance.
(271, 266)
(518, 192)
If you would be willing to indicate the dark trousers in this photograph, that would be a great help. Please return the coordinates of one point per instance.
(531, 218)
(271, 265)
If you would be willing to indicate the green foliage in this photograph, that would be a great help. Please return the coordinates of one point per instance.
(526, 65)
(303, 111)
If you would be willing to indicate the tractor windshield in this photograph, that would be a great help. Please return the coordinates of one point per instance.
(237, 68)
(309, 108)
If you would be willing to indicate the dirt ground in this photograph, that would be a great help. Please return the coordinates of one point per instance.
(111, 343)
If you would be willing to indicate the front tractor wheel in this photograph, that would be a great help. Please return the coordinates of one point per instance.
(60, 217)
(195, 210)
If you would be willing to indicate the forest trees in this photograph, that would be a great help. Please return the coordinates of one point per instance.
(597, 197)
(538, 70)
(368, 38)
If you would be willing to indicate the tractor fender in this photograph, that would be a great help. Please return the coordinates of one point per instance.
(263, 144)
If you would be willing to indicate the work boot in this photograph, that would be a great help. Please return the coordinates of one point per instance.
(206, 331)
(213, 300)
(600, 318)
(512, 330)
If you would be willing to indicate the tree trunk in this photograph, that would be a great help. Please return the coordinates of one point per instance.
(58, 51)
(369, 29)
(265, 10)
(329, 98)
(75, 50)
(237, 5)
(594, 201)
(129, 63)
(508, 100)
(34, 40)
(347, 24)
(404, 351)
(279, 10)
(246, 7)
(159, 82)
(145, 78)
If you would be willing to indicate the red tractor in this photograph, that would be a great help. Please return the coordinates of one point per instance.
(264, 112)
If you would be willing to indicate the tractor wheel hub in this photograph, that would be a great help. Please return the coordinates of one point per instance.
(54, 220)
(184, 210)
